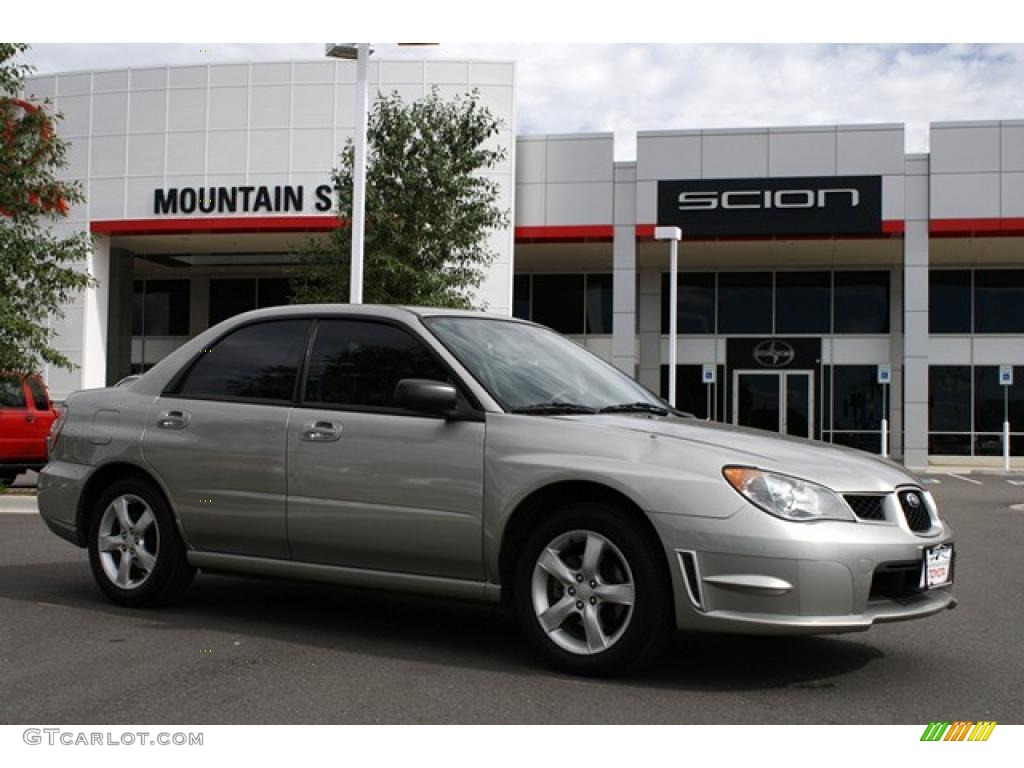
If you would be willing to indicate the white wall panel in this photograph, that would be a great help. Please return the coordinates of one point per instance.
(804, 153)
(71, 85)
(186, 152)
(569, 204)
(579, 160)
(188, 77)
(965, 195)
(869, 152)
(229, 108)
(313, 72)
(112, 80)
(668, 157)
(271, 73)
(1012, 147)
(311, 150)
(968, 149)
(108, 156)
(1012, 195)
(229, 74)
(732, 155)
(147, 111)
(447, 72)
(268, 151)
(313, 106)
(186, 109)
(149, 78)
(106, 198)
(893, 193)
(109, 113)
(401, 72)
(491, 72)
(226, 151)
(531, 205)
(139, 197)
(270, 107)
(77, 112)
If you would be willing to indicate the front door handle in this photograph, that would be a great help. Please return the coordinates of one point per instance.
(321, 432)
(173, 420)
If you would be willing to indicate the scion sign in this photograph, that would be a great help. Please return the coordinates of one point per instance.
(818, 205)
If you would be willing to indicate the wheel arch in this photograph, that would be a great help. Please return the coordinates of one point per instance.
(100, 480)
(546, 500)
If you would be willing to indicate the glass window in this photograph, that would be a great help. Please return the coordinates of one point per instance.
(273, 292)
(949, 445)
(745, 302)
(558, 302)
(861, 302)
(11, 393)
(862, 441)
(803, 302)
(599, 303)
(858, 398)
(256, 362)
(39, 398)
(949, 399)
(990, 399)
(691, 391)
(161, 308)
(357, 363)
(998, 301)
(695, 300)
(230, 297)
(949, 301)
(521, 297)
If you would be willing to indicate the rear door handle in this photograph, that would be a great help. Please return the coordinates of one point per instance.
(321, 432)
(173, 420)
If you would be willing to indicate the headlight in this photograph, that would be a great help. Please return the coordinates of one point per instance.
(787, 497)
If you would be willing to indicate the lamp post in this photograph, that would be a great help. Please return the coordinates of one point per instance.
(673, 235)
(360, 52)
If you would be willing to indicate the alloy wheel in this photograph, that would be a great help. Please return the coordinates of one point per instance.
(129, 542)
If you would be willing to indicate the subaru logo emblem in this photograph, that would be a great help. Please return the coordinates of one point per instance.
(913, 500)
(773, 353)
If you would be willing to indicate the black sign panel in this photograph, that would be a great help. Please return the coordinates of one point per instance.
(804, 205)
(774, 353)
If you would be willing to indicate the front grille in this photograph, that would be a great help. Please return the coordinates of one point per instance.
(894, 581)
(867, 507)
(916, 513)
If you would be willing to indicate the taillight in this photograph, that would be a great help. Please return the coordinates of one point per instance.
(55, 428)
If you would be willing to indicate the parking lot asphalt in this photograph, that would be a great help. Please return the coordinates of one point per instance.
(252, 651)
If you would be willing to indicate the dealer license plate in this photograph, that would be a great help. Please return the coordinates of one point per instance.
(938, 566)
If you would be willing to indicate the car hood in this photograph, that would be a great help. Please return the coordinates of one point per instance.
(839, 468)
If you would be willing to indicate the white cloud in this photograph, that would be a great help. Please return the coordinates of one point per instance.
(625, 88)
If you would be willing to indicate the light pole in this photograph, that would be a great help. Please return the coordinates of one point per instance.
(673, 235)
(361, 53)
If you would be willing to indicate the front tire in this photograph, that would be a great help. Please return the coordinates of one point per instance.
(592, 591)
(135, 552)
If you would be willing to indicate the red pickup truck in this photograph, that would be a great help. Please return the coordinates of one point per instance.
(26, 414)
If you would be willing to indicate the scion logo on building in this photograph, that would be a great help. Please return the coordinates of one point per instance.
(774, 353)
(806, 205)
(960, 730)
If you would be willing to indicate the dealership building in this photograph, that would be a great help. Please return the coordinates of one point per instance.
(814, 260)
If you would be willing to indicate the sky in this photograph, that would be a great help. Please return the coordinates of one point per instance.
(622, 88)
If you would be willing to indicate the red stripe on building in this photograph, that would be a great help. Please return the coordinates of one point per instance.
(1008, 227)
(570, 234)
(214, 224)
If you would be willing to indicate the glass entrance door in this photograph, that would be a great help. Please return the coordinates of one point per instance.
(779, 401)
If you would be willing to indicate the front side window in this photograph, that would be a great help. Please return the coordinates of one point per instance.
(358, 363)
(257, 362)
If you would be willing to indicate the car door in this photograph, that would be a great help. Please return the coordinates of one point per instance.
(216, 438)
(15, 420)
(371, 485)
(40, 419)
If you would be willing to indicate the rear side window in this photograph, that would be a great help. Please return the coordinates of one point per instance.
(258, 362)
(357, 363)
(11, 393)
(42, 402)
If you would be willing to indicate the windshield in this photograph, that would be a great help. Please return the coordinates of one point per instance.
(530, 368)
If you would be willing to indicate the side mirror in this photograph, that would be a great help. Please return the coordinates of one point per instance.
(426, 396)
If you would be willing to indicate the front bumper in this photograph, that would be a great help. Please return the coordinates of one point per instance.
(752, 573)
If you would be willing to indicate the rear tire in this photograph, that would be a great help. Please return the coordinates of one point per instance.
(592, 591)
(136, 555)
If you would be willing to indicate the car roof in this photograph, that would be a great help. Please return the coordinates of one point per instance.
(371, 310)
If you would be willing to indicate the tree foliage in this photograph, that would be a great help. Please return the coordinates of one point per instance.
(38, 273)
(429, 209)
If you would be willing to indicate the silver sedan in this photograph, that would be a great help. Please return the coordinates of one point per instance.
(459, 454)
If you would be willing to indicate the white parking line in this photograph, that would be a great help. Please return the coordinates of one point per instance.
(965, 479)
(931, 481)
(1015, 482)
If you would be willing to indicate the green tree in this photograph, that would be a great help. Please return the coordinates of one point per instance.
(37, 268)
(428, 208)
